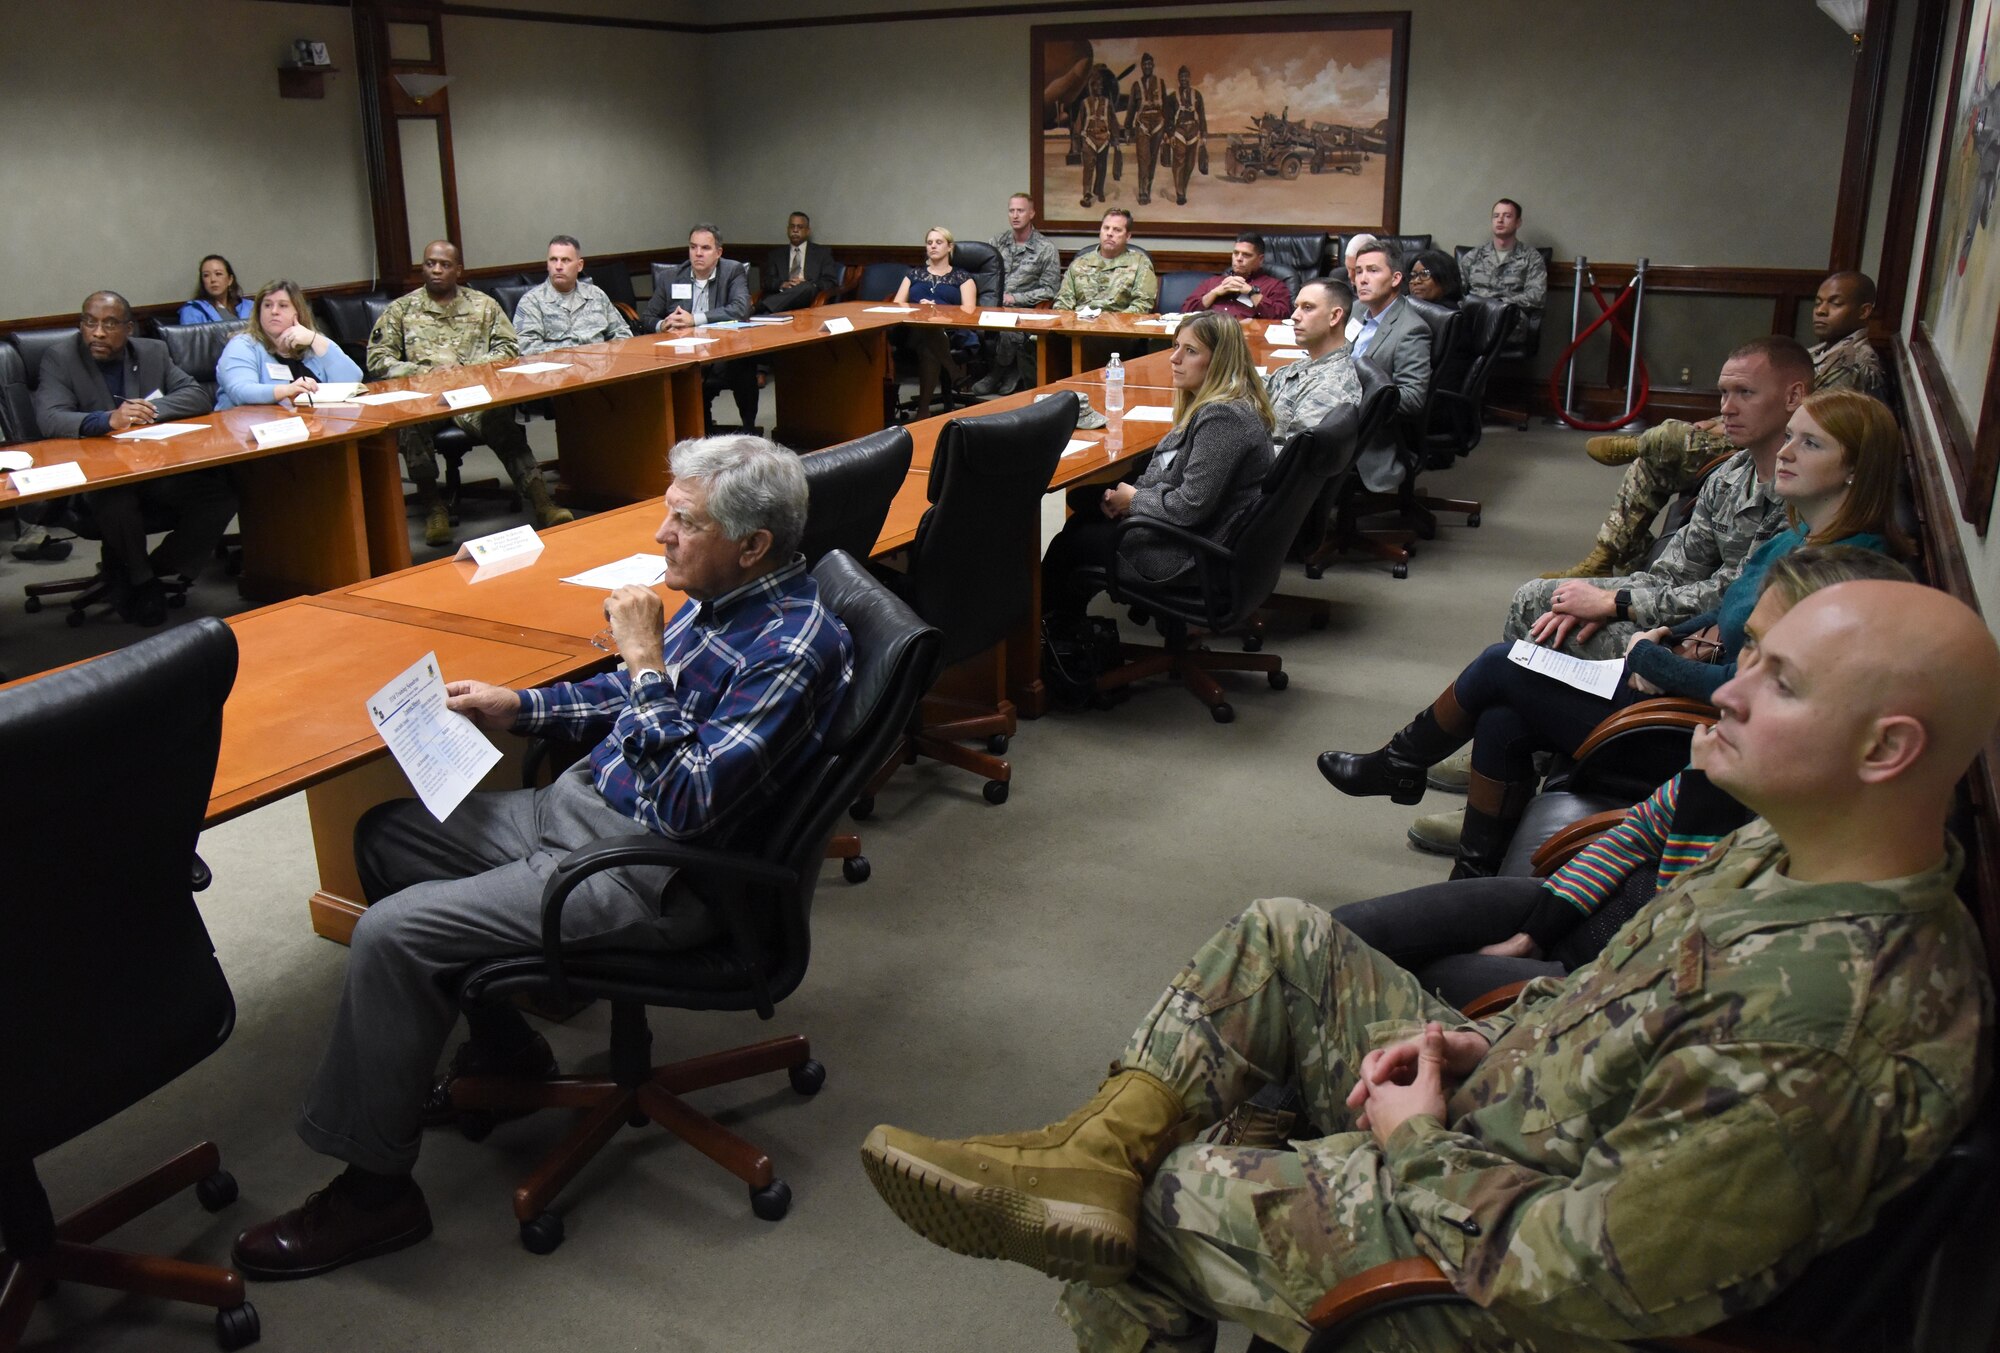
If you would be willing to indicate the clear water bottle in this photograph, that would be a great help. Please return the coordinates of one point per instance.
(1114, 386)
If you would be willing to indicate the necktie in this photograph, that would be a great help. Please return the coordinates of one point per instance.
(798, 260)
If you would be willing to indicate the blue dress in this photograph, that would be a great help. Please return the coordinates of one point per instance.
(937, 290)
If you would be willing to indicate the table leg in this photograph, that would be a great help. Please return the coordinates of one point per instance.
(612, 440)
(831, 391)
(304, 524)
(382, 504)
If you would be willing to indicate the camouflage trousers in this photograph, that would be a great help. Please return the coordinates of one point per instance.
(1282, 993)
(498, 428)
(1669, 456)
(1533, 598)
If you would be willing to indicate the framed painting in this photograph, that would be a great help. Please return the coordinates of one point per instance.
(1203, 127)
(1958, 308)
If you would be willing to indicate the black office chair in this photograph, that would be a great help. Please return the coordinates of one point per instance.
(33, 343)
(760, 885)
(970, 574)
(1295, 258)
(851, 487)
(615, 282)
(878, 281)
(109, 987)
(1456, 423)
(1233, 579)
(1178, 288)
(1525, 341)
(348, 320)
(196, 348)
(509, 295)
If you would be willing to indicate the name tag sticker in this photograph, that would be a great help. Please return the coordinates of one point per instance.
(838, 325)
(468, 396)
(682, 291)
(281, 432)
(278, 375)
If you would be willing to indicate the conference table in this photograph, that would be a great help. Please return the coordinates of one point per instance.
(296, 720)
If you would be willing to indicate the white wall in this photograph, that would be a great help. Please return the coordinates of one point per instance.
(140, 137)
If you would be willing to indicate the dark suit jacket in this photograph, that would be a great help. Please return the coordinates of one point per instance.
(728, 294)
(821, 272)
(1401, 347)
(71, 388)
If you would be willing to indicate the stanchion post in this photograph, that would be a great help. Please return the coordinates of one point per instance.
(1632, 362)
(1575, 327)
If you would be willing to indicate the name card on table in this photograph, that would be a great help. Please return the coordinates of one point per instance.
(501, 552)
(890, 310)
(281, 432)
(468, 396)
(67, 475)
(1280, 331)
(1289, 354)
(837, 325)
(532, 368)
(683, 343)
(998, 319)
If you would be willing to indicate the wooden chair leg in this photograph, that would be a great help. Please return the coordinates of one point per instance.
(22, 1282)
(965, 758)
(597, 1126)
(142, 1195)
(707, 1136)
(736, 1064)
(146, 1275)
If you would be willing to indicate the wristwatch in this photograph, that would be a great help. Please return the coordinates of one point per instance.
(1623, 601)
(639, 677)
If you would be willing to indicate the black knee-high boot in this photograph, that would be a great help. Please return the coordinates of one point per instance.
(1493, 809)
(1398, 768)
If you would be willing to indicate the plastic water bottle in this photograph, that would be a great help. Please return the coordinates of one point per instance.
(1114, 386)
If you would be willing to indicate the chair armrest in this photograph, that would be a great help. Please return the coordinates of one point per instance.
(1392, 1286)
(1492, 1002)
(1669, 712)
(1567, 842)
(1208, 556)
(616, 851)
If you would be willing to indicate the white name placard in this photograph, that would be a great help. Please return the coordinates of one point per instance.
(468, 396)
(281, 432)
(67, 475)
(501, 552)
(838, 325)
(998, 319)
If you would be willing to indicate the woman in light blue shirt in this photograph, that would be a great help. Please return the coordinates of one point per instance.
(216, 295)
(279, 356)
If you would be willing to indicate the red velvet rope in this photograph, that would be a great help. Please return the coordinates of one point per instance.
(1610, 312)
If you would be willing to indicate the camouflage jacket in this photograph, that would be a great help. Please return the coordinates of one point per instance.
(1522, 280)
(417, 334)
(1733, 514)
(1125, 283)
(1304, 393)
(1734, 1086)
(546, 318)
(1031, 270)
(1849, 363)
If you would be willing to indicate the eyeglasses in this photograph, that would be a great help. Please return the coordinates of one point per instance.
(1420, 275)
(102, 326)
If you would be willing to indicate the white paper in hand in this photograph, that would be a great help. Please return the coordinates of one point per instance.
(640, 570)
(441, 753)
(1598, 678)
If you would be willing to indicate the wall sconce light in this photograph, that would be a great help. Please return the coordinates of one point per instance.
(1851, 15)
(421, 87)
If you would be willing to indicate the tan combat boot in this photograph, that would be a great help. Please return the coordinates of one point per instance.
(437, 517)
(1597, 564)
(547, 514)
(1612, 450)
(1063, 1200)
(1437, 833)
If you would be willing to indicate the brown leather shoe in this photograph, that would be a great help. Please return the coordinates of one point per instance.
(329, 1230)
(532, 1060)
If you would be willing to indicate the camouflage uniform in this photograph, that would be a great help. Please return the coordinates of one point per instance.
(1030, 274)
(417, 334)
(1791, 1055)
(1125, 283)
(546, 318)
(1304, 393)
(1672, 454)
(1733, 514)
(1522, 279)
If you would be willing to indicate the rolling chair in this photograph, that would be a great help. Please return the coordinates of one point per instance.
(109, 986)
(988, 477)
(1232, 581)
(1456, 423)
(1296, 258)
(616, 283)
(760, 883)
(1178, 288)
(17, 424)
(350, 319)
(196, 348)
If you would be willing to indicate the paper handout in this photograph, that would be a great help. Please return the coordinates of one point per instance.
(1150, 413)
(157, 432)
(441, 753)
(531, 368)
(1599, 678)
(1280, 331)
(641, 570)
(390, 397)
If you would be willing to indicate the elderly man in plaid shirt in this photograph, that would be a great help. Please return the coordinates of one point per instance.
(714, 711)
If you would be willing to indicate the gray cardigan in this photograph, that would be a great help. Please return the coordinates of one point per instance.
(1218, 460)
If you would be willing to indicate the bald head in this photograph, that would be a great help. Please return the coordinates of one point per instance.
(442, 268)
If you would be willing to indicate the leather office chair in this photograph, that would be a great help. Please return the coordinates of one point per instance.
(1346, 535)
(195, 348)
(348, 320)
(878, 281)
(33, 343)
(1456, 424)
(1178, 288)
(1232, 581)
(509, 295)
(616, 282)
(850, 488)
(760, 884)
(967, 575)
(982, 260)
(1295, 258)
(17, 402)
(1526, 340)
(109, 987)
(1406, 247)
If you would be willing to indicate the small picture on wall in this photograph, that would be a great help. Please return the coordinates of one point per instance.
(319, 56)
(302, 52)
(1204, 126)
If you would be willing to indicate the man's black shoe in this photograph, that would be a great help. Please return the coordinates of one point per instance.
(532, 1060)
(332, 1228)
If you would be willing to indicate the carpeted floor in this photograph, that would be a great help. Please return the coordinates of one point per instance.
(980, 981)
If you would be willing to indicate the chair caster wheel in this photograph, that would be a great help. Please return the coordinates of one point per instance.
(1253, 643)
(541, 1235)
(1400, 571)
(1278, 680)
(217, 1191)
(34, 605)
(862, 808)
(772, 1201)
(857, 869)
(1427, 530)
(74, 620)
(237, 1327)
(1315, 571)
(808, 1077)
(1223, 714)
(995, 791)
(1472, 520)
(997, 744)
(475, 1125)
(1320, 620)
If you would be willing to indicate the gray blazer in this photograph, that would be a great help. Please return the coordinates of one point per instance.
(1216, 463)
(1401, 347)
(728, 295)
(71, 388)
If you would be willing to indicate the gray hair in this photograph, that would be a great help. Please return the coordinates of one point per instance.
(1357, 243)
(704, 228)
(753, 484)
